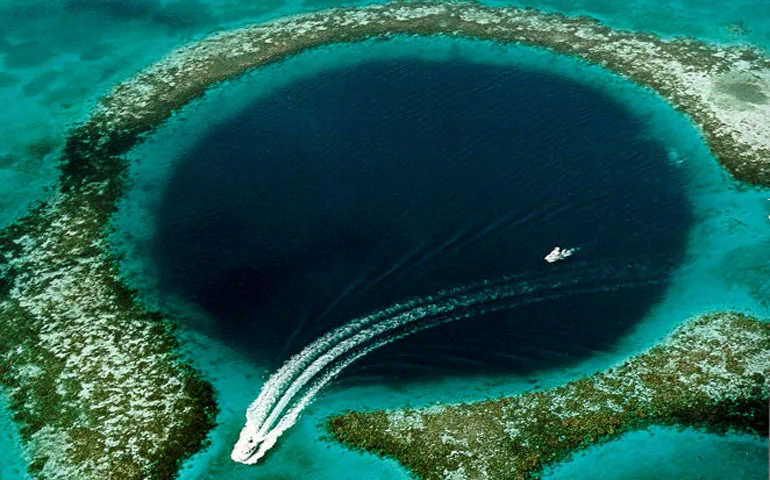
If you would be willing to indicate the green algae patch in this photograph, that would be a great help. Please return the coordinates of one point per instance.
(711, 372)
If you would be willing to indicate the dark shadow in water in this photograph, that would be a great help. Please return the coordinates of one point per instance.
(344, 193)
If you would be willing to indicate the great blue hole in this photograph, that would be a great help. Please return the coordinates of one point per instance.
(362, 186)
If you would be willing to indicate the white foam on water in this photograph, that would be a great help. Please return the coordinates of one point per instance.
(295, 385)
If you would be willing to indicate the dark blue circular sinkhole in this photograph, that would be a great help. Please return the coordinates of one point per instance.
(360, 187)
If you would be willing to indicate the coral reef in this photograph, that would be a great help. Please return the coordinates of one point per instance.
(711, 372)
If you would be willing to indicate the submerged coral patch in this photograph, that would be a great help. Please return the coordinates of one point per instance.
(710, 372)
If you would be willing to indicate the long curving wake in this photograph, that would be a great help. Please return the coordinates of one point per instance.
(294, 386)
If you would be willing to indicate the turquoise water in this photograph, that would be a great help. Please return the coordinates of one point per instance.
(669, 453)
(13, 465)
(59, 56)
(724, 266)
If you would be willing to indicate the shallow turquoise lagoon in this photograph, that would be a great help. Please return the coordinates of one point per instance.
(725, 267)
(669, 453)
(13, 465)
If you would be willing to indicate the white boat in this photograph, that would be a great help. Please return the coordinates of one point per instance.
(559, 254)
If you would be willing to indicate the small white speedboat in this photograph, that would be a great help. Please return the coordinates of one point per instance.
(559, 254)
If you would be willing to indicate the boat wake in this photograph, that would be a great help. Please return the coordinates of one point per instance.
(294, 386)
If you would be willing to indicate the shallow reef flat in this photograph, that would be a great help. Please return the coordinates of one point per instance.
(710, 372)
(96, 382)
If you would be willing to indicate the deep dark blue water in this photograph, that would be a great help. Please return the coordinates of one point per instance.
(357, 188)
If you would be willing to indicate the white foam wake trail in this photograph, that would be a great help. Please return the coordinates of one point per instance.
(298, 381)
(278, 382)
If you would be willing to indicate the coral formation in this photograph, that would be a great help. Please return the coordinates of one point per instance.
(711, 372)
